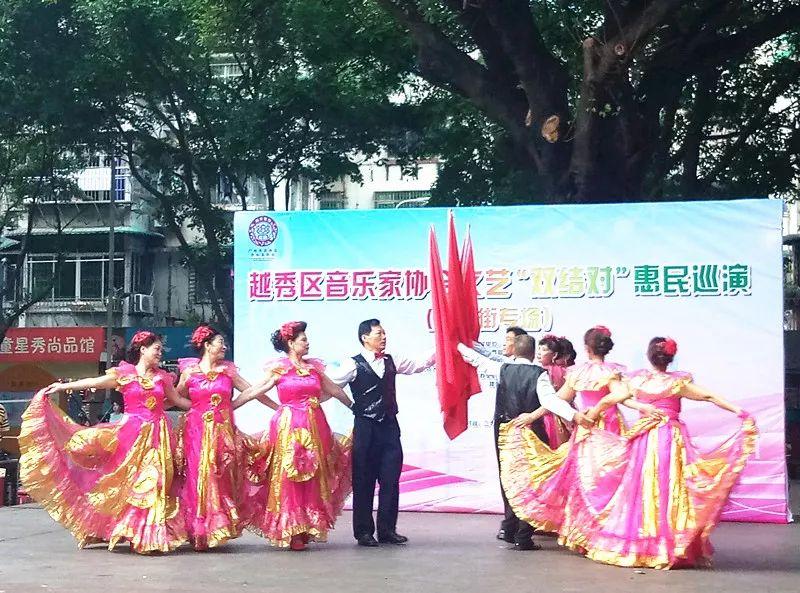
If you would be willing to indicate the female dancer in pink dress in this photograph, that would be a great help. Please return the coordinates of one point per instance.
(549, 356)
(655, 497)
(539, 481)
(110, 482)
(297, 486)
(587, 383)
(207, 442)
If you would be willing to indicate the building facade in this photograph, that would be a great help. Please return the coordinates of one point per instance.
(152, 285)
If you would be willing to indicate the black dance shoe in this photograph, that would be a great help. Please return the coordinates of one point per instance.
(392, 538)
(367, 540)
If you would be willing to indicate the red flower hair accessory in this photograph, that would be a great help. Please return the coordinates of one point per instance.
(289, 328)
(602, 330)
(669, 347)
(549, 337)
(141, 336)
(201, 334)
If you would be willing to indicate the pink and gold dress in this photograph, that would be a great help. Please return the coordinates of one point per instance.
(208, 459)
(557, 430)
(298, 471)
(652, 498)
(539, 480)
(110, 482)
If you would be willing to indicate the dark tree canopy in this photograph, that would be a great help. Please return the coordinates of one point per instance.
(609, 100)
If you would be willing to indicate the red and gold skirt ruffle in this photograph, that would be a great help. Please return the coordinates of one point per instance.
(104, 484)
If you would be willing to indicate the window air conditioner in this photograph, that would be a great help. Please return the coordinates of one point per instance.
(143, 303)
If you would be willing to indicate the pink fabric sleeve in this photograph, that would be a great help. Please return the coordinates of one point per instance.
(123, 369)
(275, 363)
(317, 363)
(167, 377)
(185, 363)
(230, 369)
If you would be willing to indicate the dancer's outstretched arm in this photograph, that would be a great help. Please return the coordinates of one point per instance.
(618, 394)
(333, 390)
(480, 362)
(529, 418)
(101, 382)
(242, 385)
(642, 407)
(182, 388)
(692, 391)
(176, 399)
(258, 392)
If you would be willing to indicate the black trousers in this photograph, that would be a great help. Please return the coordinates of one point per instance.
(515, 528)
(377, 457)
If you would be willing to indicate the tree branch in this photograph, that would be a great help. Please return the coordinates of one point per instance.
(543, 78)
(704, 49)
(443, 64)
(476, 24)
(701, 110)
(766, 102)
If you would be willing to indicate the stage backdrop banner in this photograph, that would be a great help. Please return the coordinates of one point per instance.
(708, 274)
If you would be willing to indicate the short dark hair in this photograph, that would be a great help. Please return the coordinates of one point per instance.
(365, 327)
(568, 353)
(517, 331)
(553, 344)
(525, 346)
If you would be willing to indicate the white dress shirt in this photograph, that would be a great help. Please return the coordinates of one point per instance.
(544, 388)
(484, 351)
(344, 372)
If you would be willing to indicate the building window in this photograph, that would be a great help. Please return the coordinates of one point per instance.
(8, 281)
(331, 200)
(142, 273)
(100, 160)
(94, 195)
(390, 199)
(121, 174)
(80, 277)
(226, 71)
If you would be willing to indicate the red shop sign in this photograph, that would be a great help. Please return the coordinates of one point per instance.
(62, 344)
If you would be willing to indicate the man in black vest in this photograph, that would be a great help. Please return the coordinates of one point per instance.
(522, 387)
(377, 452)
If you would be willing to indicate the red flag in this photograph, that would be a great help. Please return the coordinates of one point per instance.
(455, 415)
(455, 319)
(471, 322)
(441, 327)
(455, 298)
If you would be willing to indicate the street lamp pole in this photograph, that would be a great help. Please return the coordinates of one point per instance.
(110, 295)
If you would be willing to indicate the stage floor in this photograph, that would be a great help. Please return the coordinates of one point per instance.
(447, 553)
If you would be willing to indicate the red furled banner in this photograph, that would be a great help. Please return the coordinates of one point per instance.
(472, 323)
(62, 344)
(441, 331)
(455, 320)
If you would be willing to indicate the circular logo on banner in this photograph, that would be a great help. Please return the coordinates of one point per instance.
(263, 231)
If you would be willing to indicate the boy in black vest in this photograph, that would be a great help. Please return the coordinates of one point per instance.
(522, 387)
(377, 452)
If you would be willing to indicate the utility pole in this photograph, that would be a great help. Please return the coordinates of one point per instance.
(111, 293)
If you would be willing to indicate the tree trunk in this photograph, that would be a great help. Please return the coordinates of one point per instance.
(270, 194)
